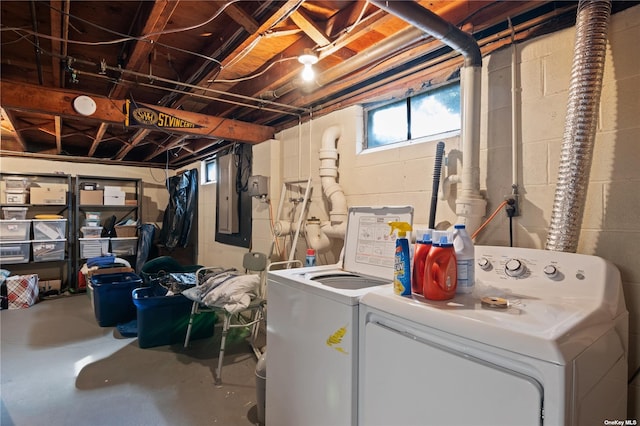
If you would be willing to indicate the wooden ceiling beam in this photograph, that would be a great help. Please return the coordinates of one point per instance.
(58, 133)
(242, 18)
(275, 18)
(310, 28)
(133, 142)
(98, 138)
(33, 98)
(159, 17)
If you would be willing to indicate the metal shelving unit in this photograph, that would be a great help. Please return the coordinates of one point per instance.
(46, 262)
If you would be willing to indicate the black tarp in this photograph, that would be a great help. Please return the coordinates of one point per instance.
(145, 242)
(180, 211)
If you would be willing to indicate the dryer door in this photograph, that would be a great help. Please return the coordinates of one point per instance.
(408, 380)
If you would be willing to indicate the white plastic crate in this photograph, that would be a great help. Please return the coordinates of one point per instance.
(15, 230)
(46, 250)
(93, 247)
(125, 246)
(14, 252)
(18, 213)
(49, 229)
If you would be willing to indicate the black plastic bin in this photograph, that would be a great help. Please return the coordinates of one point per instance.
(112, 301)
(163, 320)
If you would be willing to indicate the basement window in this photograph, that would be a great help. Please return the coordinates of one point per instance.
(209, 171)
(419, 118)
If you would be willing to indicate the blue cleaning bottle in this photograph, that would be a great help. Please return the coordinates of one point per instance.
(402, 261)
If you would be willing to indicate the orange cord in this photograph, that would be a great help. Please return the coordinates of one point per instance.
(486, 222)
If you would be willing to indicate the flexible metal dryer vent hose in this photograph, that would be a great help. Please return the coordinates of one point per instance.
(580, 125)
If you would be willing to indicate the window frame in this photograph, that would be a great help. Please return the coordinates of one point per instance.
(206, 178)
(407, 100)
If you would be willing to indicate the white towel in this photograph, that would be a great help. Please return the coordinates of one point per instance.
(233, 294)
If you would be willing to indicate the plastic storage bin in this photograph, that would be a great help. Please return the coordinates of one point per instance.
(49, 229)
(112, 300)
(163, 320)
(91, 231)
(46, 250)
(93, 247)
(18, 213)
(16, 183)
(14, 252)
(93, 215)
(16, 196)
(15, 230)
(124, 246)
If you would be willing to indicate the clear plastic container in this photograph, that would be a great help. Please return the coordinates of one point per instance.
(91, 231)
(47, 250)
(126, 246)
(93, 247)
(49, 229)
(14, 252)
(18, 213)
(15, 230)
(92, 216)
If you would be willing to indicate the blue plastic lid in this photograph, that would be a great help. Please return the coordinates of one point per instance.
(459, 226)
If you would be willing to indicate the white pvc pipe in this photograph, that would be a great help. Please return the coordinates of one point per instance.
(470, 206)
(318, 234)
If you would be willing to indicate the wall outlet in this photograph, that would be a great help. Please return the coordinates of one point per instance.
(512, 209)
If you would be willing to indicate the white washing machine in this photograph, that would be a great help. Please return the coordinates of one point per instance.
(547, 345)
(312, 325)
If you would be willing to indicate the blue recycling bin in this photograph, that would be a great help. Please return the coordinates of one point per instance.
(112, 301)
(163, 320)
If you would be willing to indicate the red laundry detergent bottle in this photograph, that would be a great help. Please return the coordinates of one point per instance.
(440, 277)
(421, 251)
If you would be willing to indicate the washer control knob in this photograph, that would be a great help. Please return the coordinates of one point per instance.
(484, 264)
(550, 271)
(514, 268)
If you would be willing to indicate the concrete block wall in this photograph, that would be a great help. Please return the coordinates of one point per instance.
(403, 175)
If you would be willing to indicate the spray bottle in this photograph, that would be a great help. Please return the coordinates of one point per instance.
(402, 261)
(440, 280)
(422, 248)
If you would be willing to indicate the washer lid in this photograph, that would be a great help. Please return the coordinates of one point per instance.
(369, 246)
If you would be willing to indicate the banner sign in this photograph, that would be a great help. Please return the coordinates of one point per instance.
(145, 116)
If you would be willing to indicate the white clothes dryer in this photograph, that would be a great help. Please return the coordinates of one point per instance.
(542, 340)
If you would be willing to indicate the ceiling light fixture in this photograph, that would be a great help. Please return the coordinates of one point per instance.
(308, 59)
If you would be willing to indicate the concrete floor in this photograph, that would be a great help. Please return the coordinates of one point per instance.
(58, 367)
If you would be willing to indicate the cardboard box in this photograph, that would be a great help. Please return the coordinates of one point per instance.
(114, 200)
(113, 190)
(49, 285)
(48, 195)
(95, 198)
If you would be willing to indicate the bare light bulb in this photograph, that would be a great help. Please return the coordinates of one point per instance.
(307, 73)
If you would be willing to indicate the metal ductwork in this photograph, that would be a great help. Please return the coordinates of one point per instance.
(580, 125)
(470, 205)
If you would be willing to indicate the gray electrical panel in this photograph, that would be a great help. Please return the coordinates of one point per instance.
(227, 195)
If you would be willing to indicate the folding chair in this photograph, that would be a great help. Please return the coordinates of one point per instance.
(252, 262)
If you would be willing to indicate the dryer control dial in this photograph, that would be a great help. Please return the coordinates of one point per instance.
(514, 268)
(484, 264)
(550, 271)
